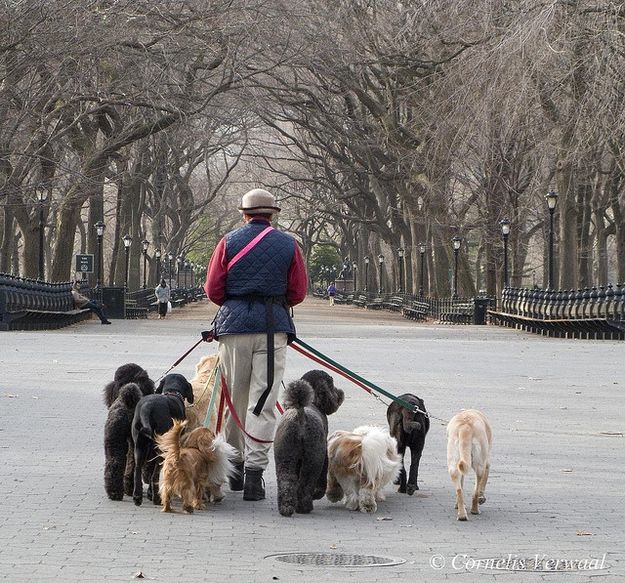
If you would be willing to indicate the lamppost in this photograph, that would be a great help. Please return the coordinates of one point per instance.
(187, 266)
(366, 273)
(41, 196)
(180, 260)
(552, 200)
(505, 231)
(157, 254)
(170, 260)
(99, 229)
(381, 261)
(400, 254)
(144, 245)
(456, 243)
(354, 271)
(421, 279)
(127, 242)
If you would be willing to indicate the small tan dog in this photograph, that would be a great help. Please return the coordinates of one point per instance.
(200, 464)
(360, 464)
(469, 440)
(202, 384)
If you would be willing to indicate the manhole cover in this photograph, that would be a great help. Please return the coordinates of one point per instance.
(335, 560)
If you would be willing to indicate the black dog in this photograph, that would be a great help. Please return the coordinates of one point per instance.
(154, 415)
(128, 373)
(409, 429)
(300, 448)
(118, 466)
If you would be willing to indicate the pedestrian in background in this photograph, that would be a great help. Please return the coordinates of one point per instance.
(163, 295)
(331, 293)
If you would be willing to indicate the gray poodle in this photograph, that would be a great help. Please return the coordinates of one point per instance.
(300, 445)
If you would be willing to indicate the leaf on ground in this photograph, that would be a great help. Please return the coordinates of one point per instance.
(583, 533)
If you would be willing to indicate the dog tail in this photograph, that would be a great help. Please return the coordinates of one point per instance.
(130, 394)
(380, 461)
(298, 394)
(169, 442)
(464, 449)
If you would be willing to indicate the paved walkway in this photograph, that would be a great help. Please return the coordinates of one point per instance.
(555, 490)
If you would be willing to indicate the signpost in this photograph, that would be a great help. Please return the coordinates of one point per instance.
(84, 264)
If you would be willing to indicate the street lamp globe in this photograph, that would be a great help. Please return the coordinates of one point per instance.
(99, 228)
(552, 200)
(127, 239)
(400, 252)
(381, 258)
(505, 227)
(456, 242)
(145, 244)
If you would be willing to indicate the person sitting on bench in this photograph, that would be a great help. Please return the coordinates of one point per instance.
(83, 302)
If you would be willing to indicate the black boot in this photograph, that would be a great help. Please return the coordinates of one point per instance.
(254, 488)
(236, 481)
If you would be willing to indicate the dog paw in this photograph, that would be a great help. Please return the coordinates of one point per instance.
(411, 488)
(116, 496)
(368, 507)
(402, 489)
(463, 518)
(475, 510)
(482, 499)
(188, 509)
(286, 510)
(304, 508)
(166, 509)
(137, 500)
(334, 495)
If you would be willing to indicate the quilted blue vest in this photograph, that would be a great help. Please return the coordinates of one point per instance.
(259, 274)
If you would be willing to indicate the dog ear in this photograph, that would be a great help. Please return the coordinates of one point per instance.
(189, 392)
(159, 389)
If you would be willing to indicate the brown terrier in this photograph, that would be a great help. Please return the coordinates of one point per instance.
(193, 464)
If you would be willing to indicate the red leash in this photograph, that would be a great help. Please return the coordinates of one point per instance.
(225, 396)
(332, 368)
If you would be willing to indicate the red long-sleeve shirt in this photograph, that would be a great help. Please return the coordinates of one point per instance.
(215, 286)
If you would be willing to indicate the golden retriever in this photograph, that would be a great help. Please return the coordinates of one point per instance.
(469, 441)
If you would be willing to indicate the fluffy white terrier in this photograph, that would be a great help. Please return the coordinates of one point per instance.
(361, 463)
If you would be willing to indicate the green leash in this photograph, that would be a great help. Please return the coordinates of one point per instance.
(364, 383)
(211, 403)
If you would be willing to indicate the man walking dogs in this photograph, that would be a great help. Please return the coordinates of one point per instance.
(255, 275)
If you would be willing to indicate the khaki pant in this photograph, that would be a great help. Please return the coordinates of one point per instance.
(243, 359)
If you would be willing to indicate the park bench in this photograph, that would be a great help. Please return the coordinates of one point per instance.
(376, 303)
(416, 310)
(34, 305)
(394, 303)
(135, 312)
(359, 300)
(587, 328)
(457, 313)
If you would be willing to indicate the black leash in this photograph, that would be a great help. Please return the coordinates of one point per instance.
(207, 336)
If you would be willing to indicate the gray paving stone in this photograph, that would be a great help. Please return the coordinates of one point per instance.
(555, 476)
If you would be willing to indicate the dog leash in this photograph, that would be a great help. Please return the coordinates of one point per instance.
(226, 397)
(371, 388)
(207, 336)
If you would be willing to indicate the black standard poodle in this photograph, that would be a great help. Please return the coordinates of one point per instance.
(118, 474)
(300, 445)
(128, 373)
(154, 415)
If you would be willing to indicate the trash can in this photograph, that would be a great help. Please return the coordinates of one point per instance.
(114, 300)
(480, 307)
